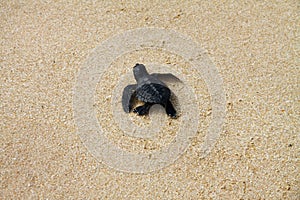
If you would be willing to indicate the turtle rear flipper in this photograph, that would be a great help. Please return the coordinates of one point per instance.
(128, 97)
(170, 110)
(143, 110)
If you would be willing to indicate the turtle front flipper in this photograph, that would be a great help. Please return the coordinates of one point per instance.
(166, 77)
(128, 97)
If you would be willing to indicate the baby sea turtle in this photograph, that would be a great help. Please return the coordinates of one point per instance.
(149, 89)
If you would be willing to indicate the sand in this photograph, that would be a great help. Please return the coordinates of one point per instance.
(254, 47)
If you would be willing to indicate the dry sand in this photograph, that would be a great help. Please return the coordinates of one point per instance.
(255, 48)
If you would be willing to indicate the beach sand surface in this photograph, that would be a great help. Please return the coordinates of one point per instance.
(252, 44)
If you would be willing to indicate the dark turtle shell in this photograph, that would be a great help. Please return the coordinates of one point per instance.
(153, 93)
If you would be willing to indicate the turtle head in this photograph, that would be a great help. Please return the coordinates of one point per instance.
(139, 71)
